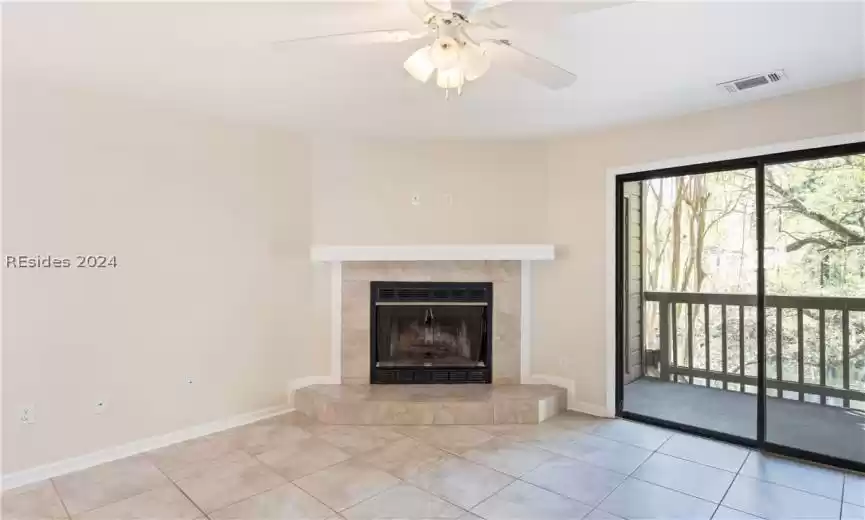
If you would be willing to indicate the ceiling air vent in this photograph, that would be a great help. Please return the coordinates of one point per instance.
(738, 85)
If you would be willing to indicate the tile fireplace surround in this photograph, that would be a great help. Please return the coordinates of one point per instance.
(508, 267)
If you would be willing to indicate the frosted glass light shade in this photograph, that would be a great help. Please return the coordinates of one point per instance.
(475, 61)
(450, 78)
(445, 53)
(419, 65)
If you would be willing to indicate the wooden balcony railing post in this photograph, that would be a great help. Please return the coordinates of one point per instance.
(742, 345)
(822, 353)
(845, 352)
(690, 340)
(800, 335)
(724, 345)
(707, 348)
(664, 333)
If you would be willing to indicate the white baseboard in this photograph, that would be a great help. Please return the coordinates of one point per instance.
(54, 469)
(589, 408)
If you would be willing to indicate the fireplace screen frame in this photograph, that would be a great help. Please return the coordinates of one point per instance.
(387, 293)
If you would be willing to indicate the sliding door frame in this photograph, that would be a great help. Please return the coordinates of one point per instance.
(757, 163)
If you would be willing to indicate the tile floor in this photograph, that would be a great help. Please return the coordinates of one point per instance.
(571, 467)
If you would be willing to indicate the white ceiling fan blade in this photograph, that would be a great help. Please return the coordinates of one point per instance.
(469, 7)
(537, 13)
(422, 9)
(360, 37)
(536, 69)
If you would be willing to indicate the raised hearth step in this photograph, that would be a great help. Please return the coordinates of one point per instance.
(431, 404)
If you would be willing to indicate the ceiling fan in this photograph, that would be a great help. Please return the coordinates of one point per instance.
(455, 56)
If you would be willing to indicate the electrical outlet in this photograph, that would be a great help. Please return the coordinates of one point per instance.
(28, 414)
(415, 200)
(100, 407)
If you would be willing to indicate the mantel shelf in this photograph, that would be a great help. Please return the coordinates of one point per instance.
(477, 252)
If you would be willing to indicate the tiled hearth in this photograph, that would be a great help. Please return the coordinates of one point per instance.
(430, 404)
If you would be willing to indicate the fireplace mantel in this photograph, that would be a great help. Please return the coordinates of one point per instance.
(465, 252)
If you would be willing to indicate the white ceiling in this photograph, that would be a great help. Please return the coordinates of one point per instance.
(636, 61)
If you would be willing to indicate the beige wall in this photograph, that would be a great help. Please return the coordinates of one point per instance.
(469, 192)
(210, 225)
(570, 315)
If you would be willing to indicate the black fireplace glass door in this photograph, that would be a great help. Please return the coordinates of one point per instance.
(424, 335)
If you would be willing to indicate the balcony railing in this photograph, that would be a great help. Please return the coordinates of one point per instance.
(676, 311)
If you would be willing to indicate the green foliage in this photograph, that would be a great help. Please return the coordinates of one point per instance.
(700, 236)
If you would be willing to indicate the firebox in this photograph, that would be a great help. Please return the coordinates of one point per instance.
(431, 332)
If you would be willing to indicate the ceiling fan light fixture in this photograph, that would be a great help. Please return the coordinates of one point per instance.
(420, 65)
(450, 78)
(445, 53)
(475, 61)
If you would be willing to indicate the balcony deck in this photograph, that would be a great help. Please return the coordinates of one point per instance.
(801, 425)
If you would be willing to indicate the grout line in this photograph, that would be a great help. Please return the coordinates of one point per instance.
(62, 502)
(178, 489)
(843, 490)
(721, 501)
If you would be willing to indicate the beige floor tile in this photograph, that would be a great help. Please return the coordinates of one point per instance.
(577, 421)
(525, 432)
(355, 440)
(179, 459)
(725, 513)
(346, 484)
(404, 502)
(597, 514)
(404, 457)
(287, 502)
(850, 511)
(575, 479)
(267, 435)
(854, 489)
(164, 503)
(302, 458)
(606, 453)
(36, 501)
(522, 501)
(108, 483)
(198, 468)
(230, 482)
(636, 434)
(792, 473)
(296, 419)
(705, 451)
(776, 502)
(638, 499)
(461, 482)
(454, 439)
(688, 477)
(513, 458)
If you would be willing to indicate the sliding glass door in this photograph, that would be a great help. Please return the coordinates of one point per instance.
(741, 301)
(690, 247)
(815, 305)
